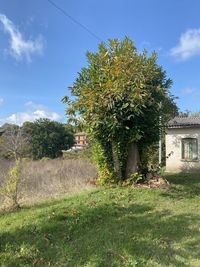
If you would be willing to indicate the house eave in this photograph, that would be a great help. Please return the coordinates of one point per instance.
(183, 126)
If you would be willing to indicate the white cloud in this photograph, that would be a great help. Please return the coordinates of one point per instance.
(187, 91)
(19, 47)
(33, 112)
(1, 101)
(189, 45)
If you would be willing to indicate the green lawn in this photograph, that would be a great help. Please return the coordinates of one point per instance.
(108, 227)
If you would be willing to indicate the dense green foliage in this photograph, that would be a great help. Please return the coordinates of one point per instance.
(38, 139)
(117, 227)
(122, 97)
(47, 138)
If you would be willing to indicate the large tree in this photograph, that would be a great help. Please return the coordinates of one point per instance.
(123, 100)
(47, 138)
(13, 141)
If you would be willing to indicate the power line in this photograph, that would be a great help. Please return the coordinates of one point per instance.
(74, 20)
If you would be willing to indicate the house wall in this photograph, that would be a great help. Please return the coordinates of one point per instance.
(174, 162)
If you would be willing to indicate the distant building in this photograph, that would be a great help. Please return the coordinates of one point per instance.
(80, 140)
(183, 144)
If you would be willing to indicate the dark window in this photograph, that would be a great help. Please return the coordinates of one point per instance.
(189, 149)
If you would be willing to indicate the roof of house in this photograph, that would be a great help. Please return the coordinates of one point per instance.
(178, 122)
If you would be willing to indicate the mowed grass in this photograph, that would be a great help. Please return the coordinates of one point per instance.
(108, 227)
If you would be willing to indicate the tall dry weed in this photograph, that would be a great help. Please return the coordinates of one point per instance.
(42, 180)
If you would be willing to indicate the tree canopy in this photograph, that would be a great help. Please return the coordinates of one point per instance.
(47, 138)
(123, 99)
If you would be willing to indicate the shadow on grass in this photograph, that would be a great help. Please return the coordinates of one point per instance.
(183, 185)
(45, 203)
(102, 235)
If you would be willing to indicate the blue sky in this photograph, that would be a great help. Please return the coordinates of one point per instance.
(41, 50)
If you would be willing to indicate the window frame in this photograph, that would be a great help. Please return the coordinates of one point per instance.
(183, 153)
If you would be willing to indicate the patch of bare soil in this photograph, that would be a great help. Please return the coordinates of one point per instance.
(155, 181)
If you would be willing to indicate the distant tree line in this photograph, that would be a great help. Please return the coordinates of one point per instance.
(189, 113)
(38, 139)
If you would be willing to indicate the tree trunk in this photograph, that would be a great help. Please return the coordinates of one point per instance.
(132, 159)
(15, 203)
(116, 162)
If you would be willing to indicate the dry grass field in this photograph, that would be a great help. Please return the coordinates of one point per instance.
(45, 179)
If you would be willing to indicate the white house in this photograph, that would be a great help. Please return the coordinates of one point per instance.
(183, 144)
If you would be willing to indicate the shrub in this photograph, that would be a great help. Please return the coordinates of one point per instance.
(44, 159)
(133, 178)
(11, 187)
